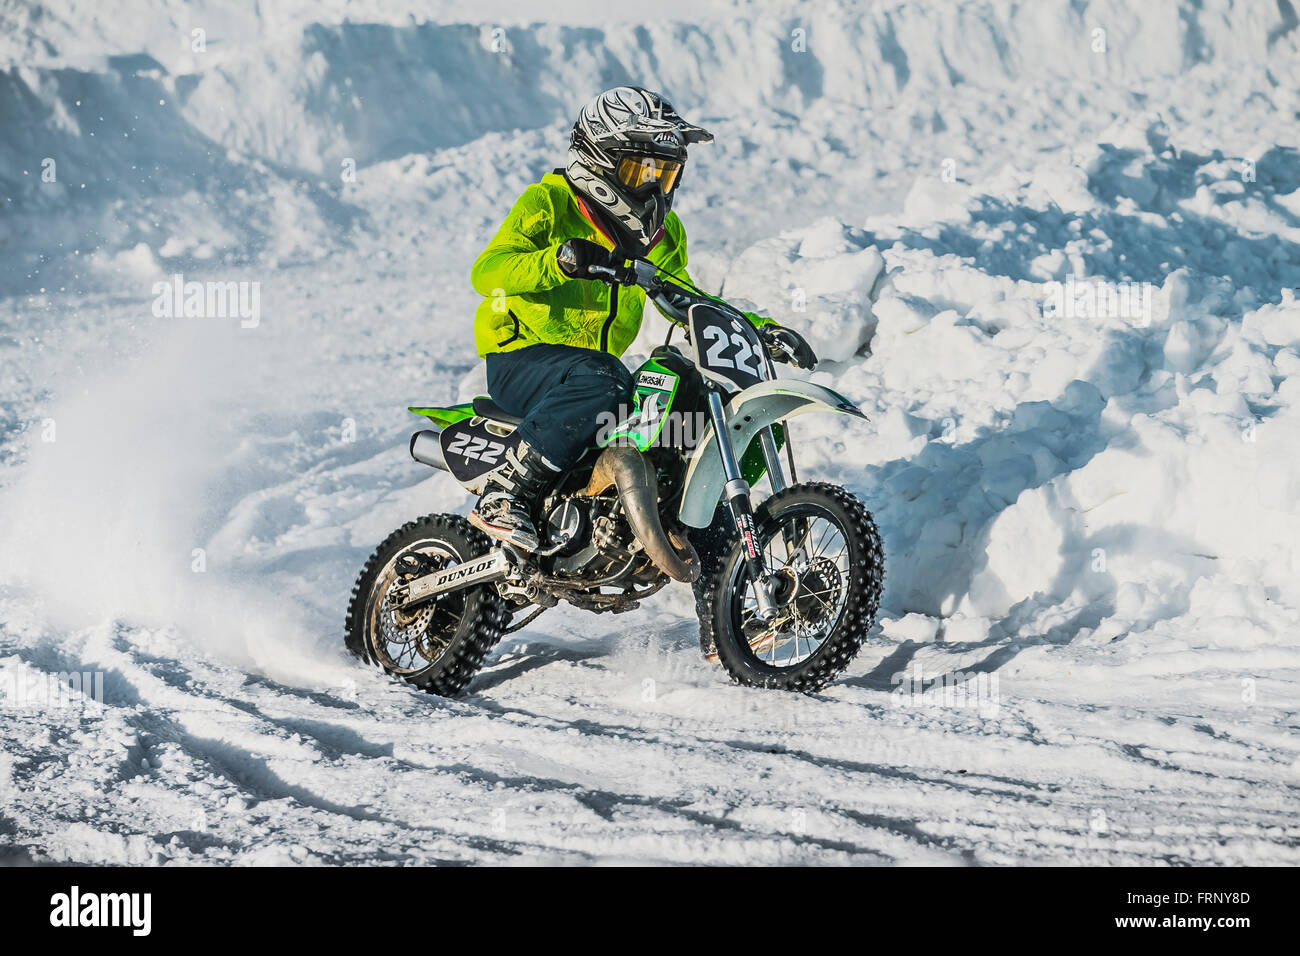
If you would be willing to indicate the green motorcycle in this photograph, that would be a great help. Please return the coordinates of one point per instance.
(785, 591)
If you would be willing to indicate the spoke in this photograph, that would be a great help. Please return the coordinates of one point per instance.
(829, 527)
(823, 591)
(826, 553)
(836, 557)
(803, 538)
(770, 556)
(817, 599)
(794, 540)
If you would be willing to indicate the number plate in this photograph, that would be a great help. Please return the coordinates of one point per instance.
(727, 348)
(472, 451)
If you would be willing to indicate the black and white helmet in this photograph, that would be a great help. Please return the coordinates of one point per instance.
(626, 156)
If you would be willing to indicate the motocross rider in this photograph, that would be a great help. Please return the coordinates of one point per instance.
(549, 328)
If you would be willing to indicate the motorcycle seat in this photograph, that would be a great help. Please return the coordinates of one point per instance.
(484, 407)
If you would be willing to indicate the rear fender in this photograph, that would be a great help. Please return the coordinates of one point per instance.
(444, 416)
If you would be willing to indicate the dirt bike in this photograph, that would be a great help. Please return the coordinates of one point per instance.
(785, 592)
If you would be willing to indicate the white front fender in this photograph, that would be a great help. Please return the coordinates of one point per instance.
(748, 413)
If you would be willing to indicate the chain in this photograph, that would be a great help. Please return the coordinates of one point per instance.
(525, 622)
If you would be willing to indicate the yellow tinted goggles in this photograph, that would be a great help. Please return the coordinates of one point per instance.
(637, 171)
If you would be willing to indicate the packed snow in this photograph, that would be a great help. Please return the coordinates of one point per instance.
(1052, 249)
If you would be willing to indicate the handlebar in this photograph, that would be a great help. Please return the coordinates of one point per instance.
(641, 272)
(673, 298)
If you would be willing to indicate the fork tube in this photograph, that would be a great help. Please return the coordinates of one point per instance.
(776, 478)
(742, 513)
(775, 475)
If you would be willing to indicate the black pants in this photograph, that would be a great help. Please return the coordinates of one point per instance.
(564, 393)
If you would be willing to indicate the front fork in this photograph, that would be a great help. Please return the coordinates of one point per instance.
(737, 494)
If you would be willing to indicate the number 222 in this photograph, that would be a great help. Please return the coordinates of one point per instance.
(744, 351)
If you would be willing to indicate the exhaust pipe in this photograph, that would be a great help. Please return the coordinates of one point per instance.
(624, 467)
(427, 449)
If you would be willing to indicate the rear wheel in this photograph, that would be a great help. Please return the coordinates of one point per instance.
(827, 565)
(438, 646)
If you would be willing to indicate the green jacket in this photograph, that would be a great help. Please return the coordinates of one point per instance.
(527, 299)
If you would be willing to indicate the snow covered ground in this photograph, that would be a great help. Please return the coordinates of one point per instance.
(1057, 266)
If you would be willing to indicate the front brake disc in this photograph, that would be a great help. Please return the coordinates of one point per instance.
(819, 590)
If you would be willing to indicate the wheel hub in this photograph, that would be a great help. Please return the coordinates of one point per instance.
(819, 590)
(783, 586)
(405, 626)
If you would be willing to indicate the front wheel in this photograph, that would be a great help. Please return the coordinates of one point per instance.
(824, 553)
(438, 646)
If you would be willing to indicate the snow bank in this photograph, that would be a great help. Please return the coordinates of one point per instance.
(1075, 434)
(252, 127)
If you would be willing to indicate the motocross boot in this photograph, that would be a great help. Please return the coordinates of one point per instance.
(512, 496)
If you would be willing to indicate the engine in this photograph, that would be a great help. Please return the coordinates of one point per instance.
(598, 539)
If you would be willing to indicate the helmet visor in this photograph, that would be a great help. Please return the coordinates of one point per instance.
(635, 172)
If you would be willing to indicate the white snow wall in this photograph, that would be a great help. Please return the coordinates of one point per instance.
(152, 130)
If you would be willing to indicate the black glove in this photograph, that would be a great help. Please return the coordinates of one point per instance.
(787, 345)
(575, 258)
